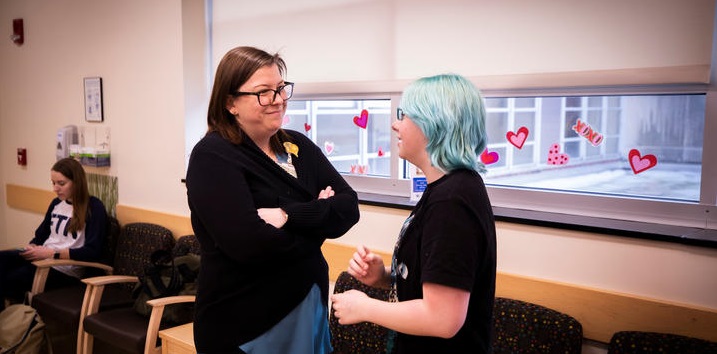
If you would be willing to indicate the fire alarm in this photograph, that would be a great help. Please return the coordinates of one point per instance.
(18, 31)
(21, 156)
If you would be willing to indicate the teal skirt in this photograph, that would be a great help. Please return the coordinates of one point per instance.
(305, 330)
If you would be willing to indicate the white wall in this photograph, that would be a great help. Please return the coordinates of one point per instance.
(405, 39)
(139, 49)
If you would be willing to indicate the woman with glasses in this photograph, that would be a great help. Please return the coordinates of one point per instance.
(444, 262)
(262, 201)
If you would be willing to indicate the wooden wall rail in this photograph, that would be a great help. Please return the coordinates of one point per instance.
(601, 312)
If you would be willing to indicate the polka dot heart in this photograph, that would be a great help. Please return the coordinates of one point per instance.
(555, 157)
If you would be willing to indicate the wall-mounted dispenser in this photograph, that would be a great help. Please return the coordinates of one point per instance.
(66, 136)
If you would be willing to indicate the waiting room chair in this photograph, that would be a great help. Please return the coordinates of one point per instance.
(638, 342)
(61, 309)
(124, 329)
(360, 338)
(523, 327)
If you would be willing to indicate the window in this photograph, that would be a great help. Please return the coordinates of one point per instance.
(627, 146)
(556, 153)
(355, 135)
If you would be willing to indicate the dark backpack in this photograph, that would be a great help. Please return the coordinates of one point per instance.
(22, 331)
(168, 276)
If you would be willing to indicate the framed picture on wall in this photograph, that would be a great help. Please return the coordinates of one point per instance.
(93, 99)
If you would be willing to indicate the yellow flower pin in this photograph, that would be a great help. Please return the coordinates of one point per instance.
(291, 149)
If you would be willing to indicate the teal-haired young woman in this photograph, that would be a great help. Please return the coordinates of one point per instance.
(444, 262)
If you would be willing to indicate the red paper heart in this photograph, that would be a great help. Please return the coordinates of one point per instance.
(307, 126)
(518, 139)
(380, 152)
(489, 157)
(641, 163)
(363, 120)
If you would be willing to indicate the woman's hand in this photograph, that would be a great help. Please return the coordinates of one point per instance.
(348, 306)
(326, 193)
(368, 268)
(36, 253)
(274, 216)
(277, 217)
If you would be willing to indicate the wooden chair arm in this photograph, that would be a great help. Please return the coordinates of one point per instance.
(95, 288)
(53, 262)
(150, 345)
(164, 301)
(43, 270)
(110, 279)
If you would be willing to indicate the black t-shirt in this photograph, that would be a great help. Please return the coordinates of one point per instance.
(450, 240)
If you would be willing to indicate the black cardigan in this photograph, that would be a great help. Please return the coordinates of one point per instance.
(253, 274)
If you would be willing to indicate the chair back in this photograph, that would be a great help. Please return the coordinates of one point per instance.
(110, 245)
(360, 338)
(523, 327)
(186, 244)
(135, 246)
(638, 342)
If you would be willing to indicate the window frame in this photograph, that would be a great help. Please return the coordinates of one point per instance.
(675, 221)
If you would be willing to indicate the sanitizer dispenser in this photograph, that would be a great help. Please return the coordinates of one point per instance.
(66, 136)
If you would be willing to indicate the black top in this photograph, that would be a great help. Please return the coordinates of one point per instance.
(449, 239)
(253, 274)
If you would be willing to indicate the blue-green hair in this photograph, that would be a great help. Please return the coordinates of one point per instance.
(450, 112)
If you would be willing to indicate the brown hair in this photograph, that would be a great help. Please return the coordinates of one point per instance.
(72, 169)
(235, 69)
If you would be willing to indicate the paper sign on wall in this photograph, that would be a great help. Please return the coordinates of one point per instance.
(418, 182)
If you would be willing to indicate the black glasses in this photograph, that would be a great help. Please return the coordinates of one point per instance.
(268, 96)
(399, 113)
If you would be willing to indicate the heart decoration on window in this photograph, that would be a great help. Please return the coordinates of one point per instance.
(641, 163)
(489, 157)
(380, 152)
(328, 147)
(286, 120)
(307, 127)
(363, 120)
(519, 138)
(555, 157)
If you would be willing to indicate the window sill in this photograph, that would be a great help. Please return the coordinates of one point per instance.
(642, 230)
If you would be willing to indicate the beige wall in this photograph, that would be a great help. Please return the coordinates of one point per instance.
(143, 53)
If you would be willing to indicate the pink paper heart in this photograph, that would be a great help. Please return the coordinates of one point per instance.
(307, 126)
(555, 157)
(489, 157)
(328, 147)
(518, 139)
(641, 163)
(363, 120)
(286, 120)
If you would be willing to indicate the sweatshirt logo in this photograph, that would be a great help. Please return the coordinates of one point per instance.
(60, 225)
